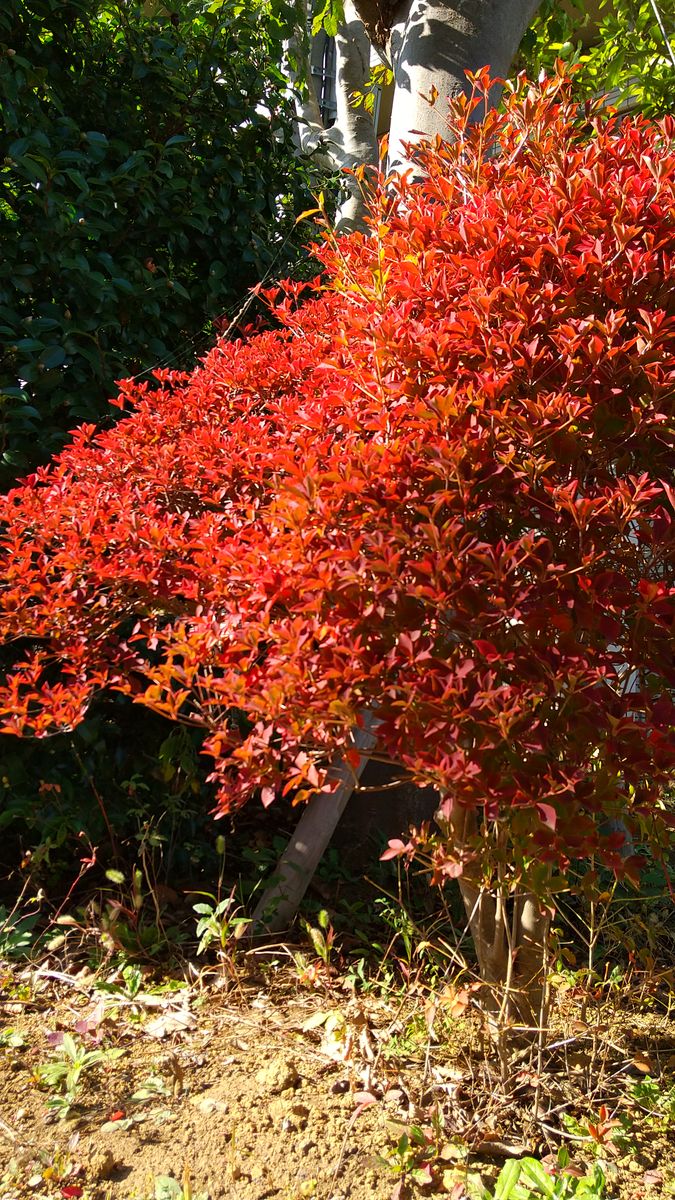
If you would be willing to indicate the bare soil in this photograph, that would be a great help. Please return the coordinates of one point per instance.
(255, 1089)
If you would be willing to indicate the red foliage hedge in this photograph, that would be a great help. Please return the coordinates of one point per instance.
(440, 489)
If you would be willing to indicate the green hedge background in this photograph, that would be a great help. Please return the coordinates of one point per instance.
(147, 179)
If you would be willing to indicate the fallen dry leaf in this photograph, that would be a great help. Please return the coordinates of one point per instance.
(652, 1178)
(177, 1020)
(643, 1063)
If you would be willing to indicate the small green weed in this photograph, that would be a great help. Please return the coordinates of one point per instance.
(155, 1087)
(129, 983)
(414, 1156)
(655, 1102)
(128, 989)
(16, 933)
(418, 1154)
(132, 924)
(399, 920)
(168, 1188)
(322, 937)
(362, 976)
(421, 1156)
(63, 1073)
(218, 924)
(123, 986)
(435, 1024)
(11, 1039)
(528, 1179)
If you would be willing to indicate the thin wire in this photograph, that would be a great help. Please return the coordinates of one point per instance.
(207, 338)
(172, 358)
(662, 27)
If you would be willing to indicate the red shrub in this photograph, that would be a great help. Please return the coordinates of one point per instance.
(440, 490)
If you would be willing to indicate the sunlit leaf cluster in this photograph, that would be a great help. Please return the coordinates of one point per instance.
(626, 51)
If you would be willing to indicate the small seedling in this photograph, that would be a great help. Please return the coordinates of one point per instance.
(128, 989)
(411, 1157)
(418, 1153)
(152, 1088)
(59, 1167)
(604, 1133)
(655, 1101)
(322, 937)
(168, 1188)
(11, 1039)
(218, 924)
(64, 1073)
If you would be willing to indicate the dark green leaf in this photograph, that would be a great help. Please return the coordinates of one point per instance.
(53, 356)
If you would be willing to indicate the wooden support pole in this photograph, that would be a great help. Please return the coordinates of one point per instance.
(281, 899)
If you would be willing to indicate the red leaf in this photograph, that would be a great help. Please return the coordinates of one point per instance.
(395, 848)
(548, 815)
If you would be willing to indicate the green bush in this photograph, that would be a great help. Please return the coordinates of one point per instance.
(147, 179)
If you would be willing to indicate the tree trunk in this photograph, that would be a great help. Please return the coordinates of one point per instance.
(510, 931)
(309, 132)
(281, 899)
(352, 141)
(432, 44)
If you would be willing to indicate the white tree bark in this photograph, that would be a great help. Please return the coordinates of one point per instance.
(309, 129)
(510, 930)
(432, 44)
(352, 140)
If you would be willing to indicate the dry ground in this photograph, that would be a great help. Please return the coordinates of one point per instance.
(259, 1088)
